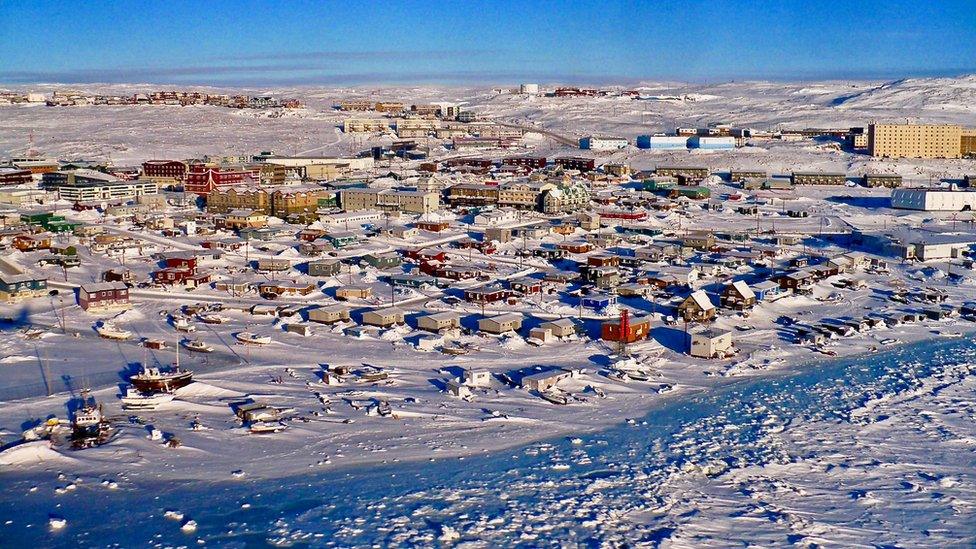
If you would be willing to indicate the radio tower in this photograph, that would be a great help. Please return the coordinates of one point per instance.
(31, 151)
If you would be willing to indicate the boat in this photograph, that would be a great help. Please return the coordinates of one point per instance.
(182, 324)
(109, 330)
(155, 380)
(212, 318)
(197, 346)
(249, 338)
(555, 398)
(134, 399)
(262, 427)
(88, 425)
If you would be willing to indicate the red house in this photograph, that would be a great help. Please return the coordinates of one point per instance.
(486, 294)
(180, 277)
(103, 295)
(427, 255)
(433, 226)
(186, 262)
(625, 329)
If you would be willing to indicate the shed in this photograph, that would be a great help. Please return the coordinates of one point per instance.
(300, 329)
(711, 343)
(477, 378)
(543, 381)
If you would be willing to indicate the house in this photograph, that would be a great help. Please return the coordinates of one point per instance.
(329, 314)
(545, 380)
(386, 260)
(633, 289)
(699, 240)
(117, 275)
(711, 343)
(324, 267)
(437, 322)
(697, 307)
(486, 294)
(599, 300)
(245, 219)
(798, 282)
(562, 327)
(180, 277)
(181, 260)
(738, 295)
(476, 378)
(103, 295)
(500, 324)
(525, 285)
(413, 281)
(540, 335)
(287, 289)
(16, 287)
(457, 389)
(273, 265)
(383, 318)
(354, 292)
(769, 290)
(625, 329)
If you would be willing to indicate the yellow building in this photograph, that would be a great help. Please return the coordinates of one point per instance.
(417, 202)
(968, 145)
(365, 125)
(225, 200)
(915, 140)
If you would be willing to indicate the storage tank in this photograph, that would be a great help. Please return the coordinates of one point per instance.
(530, 89)
(662, 142)
(712, 143)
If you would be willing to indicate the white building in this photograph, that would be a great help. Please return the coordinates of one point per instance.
(933, 200)
(529, 89)
(598, 143)
(711, 343)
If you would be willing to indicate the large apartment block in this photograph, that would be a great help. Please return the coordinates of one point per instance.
(915, 140)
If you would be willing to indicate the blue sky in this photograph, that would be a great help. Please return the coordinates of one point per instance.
(293, 43)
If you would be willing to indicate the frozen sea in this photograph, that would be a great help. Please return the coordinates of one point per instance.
(874, 451)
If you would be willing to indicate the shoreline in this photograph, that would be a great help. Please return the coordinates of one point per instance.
(483, 445)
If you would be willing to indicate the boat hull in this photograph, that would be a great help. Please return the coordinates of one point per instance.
(162, 384)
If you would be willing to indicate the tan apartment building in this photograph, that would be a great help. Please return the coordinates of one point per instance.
(364, 125)
(915, 140)
(224, 200)
(968, 142)
(389, 200)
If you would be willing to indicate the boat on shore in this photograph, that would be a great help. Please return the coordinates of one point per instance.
(197, 346)
(264, 427)
(155, 380)
(109, 330)
(212, 318)
(252, 338)
(182, 324)
(88, 424)
(134, 399)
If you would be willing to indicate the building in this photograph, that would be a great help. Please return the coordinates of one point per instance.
(545, 380)
(90, 185)
(164, 173)
(202, 179)
(625, 329)
(915, 140)
(383, 318)
(697, 307)
(222, 201)
(470, 194)
(933, 200)
(600, 143)
(889, 180)
(329, 314)
(662, 142)
(354, 292)
(576, 163)
(500, 324)
(711, 343)
(245, 219)
(711, 143)
(17, 287)
(103, 295)
(324, 267)
(818, 178)
(562, 327)
(14, 176)
(365, 125)
(738, 295)
(742, 175)
(695, 173)
(437, 322)
(417, 202)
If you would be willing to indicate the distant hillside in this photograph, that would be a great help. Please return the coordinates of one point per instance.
(916, 94)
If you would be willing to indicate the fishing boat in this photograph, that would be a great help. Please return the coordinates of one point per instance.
(197, 346)
(182, 324)
(88, 425)
(212, 318)
(154, 380)
(109, 330)
(134, 399)
(252, 338)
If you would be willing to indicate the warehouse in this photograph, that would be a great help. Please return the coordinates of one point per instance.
(933, 200)
(711, 143)
(602, 143)
(662, 142)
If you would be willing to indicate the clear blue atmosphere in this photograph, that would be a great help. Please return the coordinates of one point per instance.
(348, 42)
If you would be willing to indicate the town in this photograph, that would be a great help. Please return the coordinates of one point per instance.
(450, 268)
